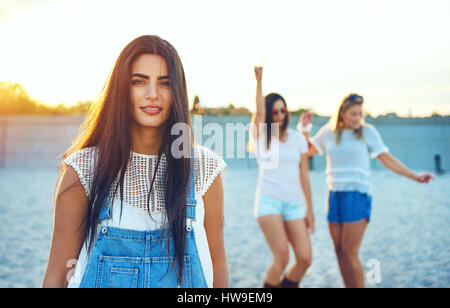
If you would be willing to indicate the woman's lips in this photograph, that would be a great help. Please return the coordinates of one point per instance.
(151, 110)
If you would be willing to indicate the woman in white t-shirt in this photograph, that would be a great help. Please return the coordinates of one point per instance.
(283, 173)
(349, 142)
(137, 204)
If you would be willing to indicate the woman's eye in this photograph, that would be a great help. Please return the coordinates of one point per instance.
(165, 84)
(137, 82)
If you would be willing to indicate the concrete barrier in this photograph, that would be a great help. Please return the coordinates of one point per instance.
(38, 141)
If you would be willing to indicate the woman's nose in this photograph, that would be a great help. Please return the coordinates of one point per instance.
(151, 91)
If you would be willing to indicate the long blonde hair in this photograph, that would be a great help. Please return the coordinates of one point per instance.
(337, 123)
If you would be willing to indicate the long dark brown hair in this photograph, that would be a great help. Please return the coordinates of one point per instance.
(270, 99)
(108, 128)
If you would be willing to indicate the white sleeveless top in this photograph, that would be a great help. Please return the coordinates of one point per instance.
(137, 181)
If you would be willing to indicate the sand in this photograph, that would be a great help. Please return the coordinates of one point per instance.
(408, 235)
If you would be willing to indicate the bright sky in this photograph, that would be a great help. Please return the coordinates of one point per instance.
(395, 53)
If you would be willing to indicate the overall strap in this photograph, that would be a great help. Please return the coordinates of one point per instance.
(191, 202)
(105, 211)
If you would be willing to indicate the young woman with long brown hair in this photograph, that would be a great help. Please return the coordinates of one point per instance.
(128, 206)
(349, 143)
(283, 213)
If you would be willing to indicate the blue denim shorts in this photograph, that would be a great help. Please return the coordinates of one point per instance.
(348, 206)
(270, 206)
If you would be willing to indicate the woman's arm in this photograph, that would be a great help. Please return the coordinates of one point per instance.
(68, 231)
(311, 148)
(398, 167)
(214, 224)
(306, 187)
(304, 120)
(260, 115)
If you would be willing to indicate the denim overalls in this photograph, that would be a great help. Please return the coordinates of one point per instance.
(123, 258)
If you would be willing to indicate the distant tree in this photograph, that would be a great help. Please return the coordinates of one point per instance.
(196, 103)
(436, 115)
(196, 109)
(227, 110)
(80, 108)
(15, 100)
(390, 115)
(299, 111)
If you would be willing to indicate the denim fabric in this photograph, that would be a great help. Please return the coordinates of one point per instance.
(348, 206)
(288, 209)
(123, 258)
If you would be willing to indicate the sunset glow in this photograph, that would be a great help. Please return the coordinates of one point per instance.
(394, 53)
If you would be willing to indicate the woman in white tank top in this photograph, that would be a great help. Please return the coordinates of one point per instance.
(283, 213)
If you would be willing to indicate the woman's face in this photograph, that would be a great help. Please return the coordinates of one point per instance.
(352, 117)
(150, 90)
(278, 112)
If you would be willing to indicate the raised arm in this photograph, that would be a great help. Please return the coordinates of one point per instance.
(398, 167)
(260, 115)
(68, 230)
(214, 224)
(303, 122)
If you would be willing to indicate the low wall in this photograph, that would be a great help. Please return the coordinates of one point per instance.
(38, 141)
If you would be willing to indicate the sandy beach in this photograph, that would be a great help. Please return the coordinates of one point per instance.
(408, 235)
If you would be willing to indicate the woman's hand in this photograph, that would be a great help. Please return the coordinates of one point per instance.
(310, 222)
(306, 118)
(258, 73)
(424, 177)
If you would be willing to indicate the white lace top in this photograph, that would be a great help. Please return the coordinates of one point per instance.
(137, 181)
(139, 173)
